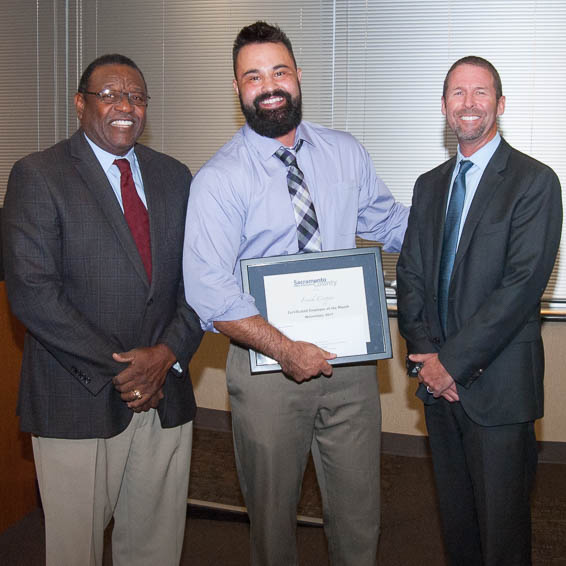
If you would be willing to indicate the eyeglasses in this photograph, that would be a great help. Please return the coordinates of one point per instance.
(108, 96)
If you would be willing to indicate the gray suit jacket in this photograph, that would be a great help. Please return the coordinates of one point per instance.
(75, 279)
(493, 348)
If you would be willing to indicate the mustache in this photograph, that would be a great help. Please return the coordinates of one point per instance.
(266, 95)
(470, 112)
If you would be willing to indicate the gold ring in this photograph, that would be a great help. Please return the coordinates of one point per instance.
(137, 394)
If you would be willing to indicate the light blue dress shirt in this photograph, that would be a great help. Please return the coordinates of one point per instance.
(480, 159)
(239, 207)
(106, 161)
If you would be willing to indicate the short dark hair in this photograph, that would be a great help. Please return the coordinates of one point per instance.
(110, 59)
(260, 32)
(478, 62)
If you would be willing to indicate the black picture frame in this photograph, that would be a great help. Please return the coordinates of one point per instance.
(254, 272)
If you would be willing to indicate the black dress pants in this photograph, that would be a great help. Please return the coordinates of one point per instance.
(484, 478)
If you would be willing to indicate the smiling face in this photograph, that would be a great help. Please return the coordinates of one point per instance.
(471, 107)
(113, 127)
(268, 85)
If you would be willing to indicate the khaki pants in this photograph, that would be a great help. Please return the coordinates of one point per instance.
(140, 476)
(276, 422)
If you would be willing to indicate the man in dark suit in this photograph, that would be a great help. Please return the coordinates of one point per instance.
(93, 235)
(477, 255)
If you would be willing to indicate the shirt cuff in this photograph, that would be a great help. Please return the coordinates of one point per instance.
(240, 309)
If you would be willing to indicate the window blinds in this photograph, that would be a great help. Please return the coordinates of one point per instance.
(374, 68)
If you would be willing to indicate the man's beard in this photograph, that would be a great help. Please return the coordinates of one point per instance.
(471, 134)
(273, 123)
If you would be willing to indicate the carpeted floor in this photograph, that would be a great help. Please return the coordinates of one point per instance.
(410, 524)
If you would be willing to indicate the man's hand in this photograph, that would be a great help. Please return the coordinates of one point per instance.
(141, 382)
(303, 360)
(151, 403)
(434, 375)
(298, 360)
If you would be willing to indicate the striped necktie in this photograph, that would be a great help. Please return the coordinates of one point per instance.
(308, 233)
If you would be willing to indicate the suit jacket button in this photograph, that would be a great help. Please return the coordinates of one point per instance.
(436, 340)
(150, 302)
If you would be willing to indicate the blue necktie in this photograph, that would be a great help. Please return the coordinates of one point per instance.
(308, 234)
(450, 240)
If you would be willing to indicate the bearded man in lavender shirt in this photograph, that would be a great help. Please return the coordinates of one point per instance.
(240, 208)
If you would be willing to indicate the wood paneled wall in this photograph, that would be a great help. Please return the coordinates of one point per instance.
(18, 492)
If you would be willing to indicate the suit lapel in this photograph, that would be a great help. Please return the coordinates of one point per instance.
(95, 179)
(438, 214)
(486, 191)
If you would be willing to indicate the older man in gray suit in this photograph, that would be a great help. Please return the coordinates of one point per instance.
(93, 233)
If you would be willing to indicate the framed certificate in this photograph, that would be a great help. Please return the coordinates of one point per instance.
(335, 300)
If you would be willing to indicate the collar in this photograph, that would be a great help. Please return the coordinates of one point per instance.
(106, 159)
(266, 147)
(482, 156)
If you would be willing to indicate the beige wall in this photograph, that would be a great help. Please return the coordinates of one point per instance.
(402, 412)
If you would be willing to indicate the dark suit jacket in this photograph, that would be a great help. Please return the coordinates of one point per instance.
(507, 249)
(75, 278)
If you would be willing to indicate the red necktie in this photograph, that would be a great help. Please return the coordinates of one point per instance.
(135, 213)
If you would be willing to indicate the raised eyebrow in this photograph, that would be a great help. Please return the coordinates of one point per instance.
(138, 89)
(258, 72)
(478, 87)
(251, 72)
